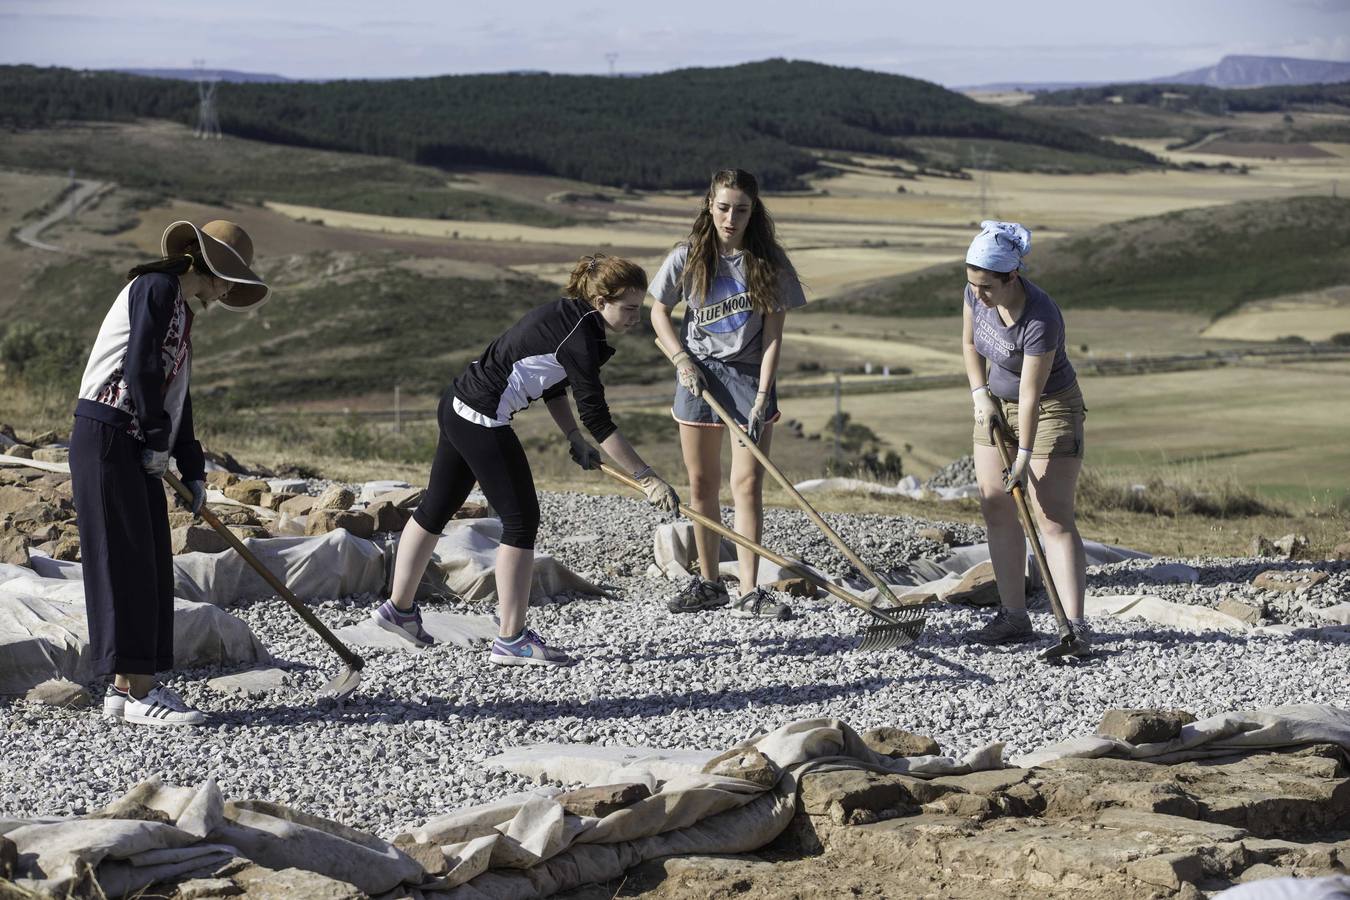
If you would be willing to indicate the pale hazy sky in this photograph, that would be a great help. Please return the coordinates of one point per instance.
(952, 42)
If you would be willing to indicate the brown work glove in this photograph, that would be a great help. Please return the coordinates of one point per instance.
(659, 493)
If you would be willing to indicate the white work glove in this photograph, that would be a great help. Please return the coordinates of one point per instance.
(754, 426)
(582, 453)
(1017, 475)
(688, 373)
(154, 462)
(659, 494)
(987, 410)
(198, 489)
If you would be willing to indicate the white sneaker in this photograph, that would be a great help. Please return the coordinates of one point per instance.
(161, 707)
(114, 703)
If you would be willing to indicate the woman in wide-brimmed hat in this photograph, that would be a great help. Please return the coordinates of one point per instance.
(134, 413)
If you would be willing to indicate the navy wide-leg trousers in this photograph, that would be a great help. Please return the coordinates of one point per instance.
(125, 548)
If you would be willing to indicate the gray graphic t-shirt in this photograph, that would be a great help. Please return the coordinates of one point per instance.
(1038, 331)
(723, 325)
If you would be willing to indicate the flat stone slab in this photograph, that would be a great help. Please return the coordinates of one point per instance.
(372, 489)
(250, 683)
(587, 764)
(287, 485)
(447, 628)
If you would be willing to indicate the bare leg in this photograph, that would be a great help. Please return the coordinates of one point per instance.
(1053, 483)
(1007, 544)
(515, 577)
(135, 685)
(415, 547)
(702, 449)
(747, 491)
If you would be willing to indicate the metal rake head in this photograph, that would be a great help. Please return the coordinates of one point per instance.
(897, 628)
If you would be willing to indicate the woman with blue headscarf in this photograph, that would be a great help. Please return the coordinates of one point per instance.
(1012, 339)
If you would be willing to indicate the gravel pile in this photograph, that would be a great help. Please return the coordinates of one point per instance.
(409, 744)
(1230, 579)
(957, 473)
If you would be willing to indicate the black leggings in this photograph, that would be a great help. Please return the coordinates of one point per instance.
(493, 457)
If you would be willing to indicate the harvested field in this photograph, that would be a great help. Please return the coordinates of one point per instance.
(1313, 316)
(1266, 150)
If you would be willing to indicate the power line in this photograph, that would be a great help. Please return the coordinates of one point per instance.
(208, 116)
(611, 58)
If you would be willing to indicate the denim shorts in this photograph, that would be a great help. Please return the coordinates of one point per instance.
(734, 385)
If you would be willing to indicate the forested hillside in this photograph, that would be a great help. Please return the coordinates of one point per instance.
(659, 131)
(1204, 99)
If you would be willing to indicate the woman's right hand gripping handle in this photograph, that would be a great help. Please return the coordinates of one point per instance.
(688, 372)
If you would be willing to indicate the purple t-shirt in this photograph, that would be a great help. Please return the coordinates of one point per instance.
(1038, 331)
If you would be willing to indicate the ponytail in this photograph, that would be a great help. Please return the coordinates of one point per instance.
(191, 259)
(598, 277)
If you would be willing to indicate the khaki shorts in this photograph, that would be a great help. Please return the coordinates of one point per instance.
(1059, 428)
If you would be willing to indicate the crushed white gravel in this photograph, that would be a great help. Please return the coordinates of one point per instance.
(409, 745)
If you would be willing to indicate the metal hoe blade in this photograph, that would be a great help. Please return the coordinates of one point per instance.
(341, 685)
(901, 627)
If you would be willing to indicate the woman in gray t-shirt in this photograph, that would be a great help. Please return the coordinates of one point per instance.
(1012, 339)
(737, 286)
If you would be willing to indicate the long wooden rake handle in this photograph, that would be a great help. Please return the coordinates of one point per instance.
(350, 658)
(883, 589)
(999, 434)
(743, 541)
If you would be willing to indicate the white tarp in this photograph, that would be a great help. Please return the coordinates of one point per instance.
(465, 564)
(909, 486)
(336, 564)
(44, 633)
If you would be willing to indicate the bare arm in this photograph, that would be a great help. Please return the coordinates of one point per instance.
(1035, 373)
(773, 345)
(561, 411)
(616, 445)
(975, 363)
(665, 328)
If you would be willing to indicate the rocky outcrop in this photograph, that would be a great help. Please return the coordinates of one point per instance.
(1100, 828)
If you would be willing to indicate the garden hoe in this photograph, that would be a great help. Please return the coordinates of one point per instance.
(895, 628)
(911, 614)
(340, 686)
(997, 430)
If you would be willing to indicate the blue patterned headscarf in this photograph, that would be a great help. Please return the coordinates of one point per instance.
(999, 247)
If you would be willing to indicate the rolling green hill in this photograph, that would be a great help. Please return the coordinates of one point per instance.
(659, 131)
(381, 324)
(160, 160)
(1200, 260)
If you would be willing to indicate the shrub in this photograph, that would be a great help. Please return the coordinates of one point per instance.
(41, 357)
(1215, 499)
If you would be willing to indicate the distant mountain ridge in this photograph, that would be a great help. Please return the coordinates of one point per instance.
(1229, 72)
(1262, 71)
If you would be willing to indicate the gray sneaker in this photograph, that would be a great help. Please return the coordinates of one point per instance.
(760, 604)
(1005, 627)
(699, 594)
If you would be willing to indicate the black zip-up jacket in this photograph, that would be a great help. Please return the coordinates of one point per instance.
(553, 347)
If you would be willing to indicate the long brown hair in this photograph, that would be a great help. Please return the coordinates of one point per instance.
(598, 277)
(764, 258)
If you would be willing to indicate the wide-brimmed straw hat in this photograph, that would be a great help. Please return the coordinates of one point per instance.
(228, 251)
